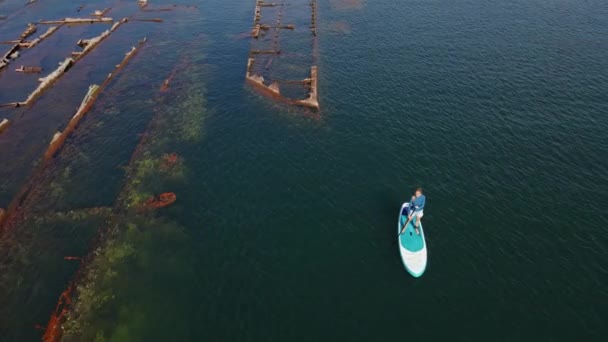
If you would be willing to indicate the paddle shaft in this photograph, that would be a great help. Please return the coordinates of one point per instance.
(410, 217)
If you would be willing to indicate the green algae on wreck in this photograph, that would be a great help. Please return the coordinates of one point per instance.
(113, 299)
(34, 270)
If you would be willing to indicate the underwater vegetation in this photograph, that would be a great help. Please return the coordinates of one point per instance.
(140, 251)
(145, 181)
(83, 262)
(178, 121)
(35, 255)
(112, 299)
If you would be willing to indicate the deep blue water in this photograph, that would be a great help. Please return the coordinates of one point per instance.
(497, 108)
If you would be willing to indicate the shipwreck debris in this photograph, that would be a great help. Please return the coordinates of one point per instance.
(272, 87)
(313, 25)
(13, 52)
(53, 330)
(29, 70)
(45, 82)
(265, 52)
(89, 44)
(160, 201)
(60, 137)
(87, 102)
(151, 20)
(7, 56)
(30, 30)
(4, 124)
(274, 91)
(42, 37)
(312, 100)
(101, 13)
(78, 21)
(169, 161)
(165, 86)
(72, 258)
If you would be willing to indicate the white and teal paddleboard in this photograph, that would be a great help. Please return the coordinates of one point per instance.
(411, 245)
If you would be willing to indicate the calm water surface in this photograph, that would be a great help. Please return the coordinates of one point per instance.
(497, 108)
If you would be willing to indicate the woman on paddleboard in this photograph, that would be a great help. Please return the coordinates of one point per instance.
(416, 209)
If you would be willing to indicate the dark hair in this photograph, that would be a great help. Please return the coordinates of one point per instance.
(419, 189)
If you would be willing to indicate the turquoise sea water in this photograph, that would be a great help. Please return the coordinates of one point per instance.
(497, 108)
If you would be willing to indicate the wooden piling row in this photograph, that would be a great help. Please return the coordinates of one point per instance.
(46, 82)
(94, 90)
(12, 213)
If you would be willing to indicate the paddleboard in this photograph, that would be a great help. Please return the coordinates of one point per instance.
(411, 245)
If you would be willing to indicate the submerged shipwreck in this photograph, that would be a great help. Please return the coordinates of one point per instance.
(260, 60)
(41, 203)
(287, 73)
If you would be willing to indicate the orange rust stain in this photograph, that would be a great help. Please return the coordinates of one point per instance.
(53, 328)
(165, 86)
(163, 200)
(169, 161)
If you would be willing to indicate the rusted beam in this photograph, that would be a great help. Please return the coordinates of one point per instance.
(13, 52)
(29, 70)
(264, 52)
(4, 125)
(30, 30)
(78, 21)
(312, 100)
(94, 90)
(49, 32)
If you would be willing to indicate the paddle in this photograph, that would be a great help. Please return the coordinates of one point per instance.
(411, 216)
